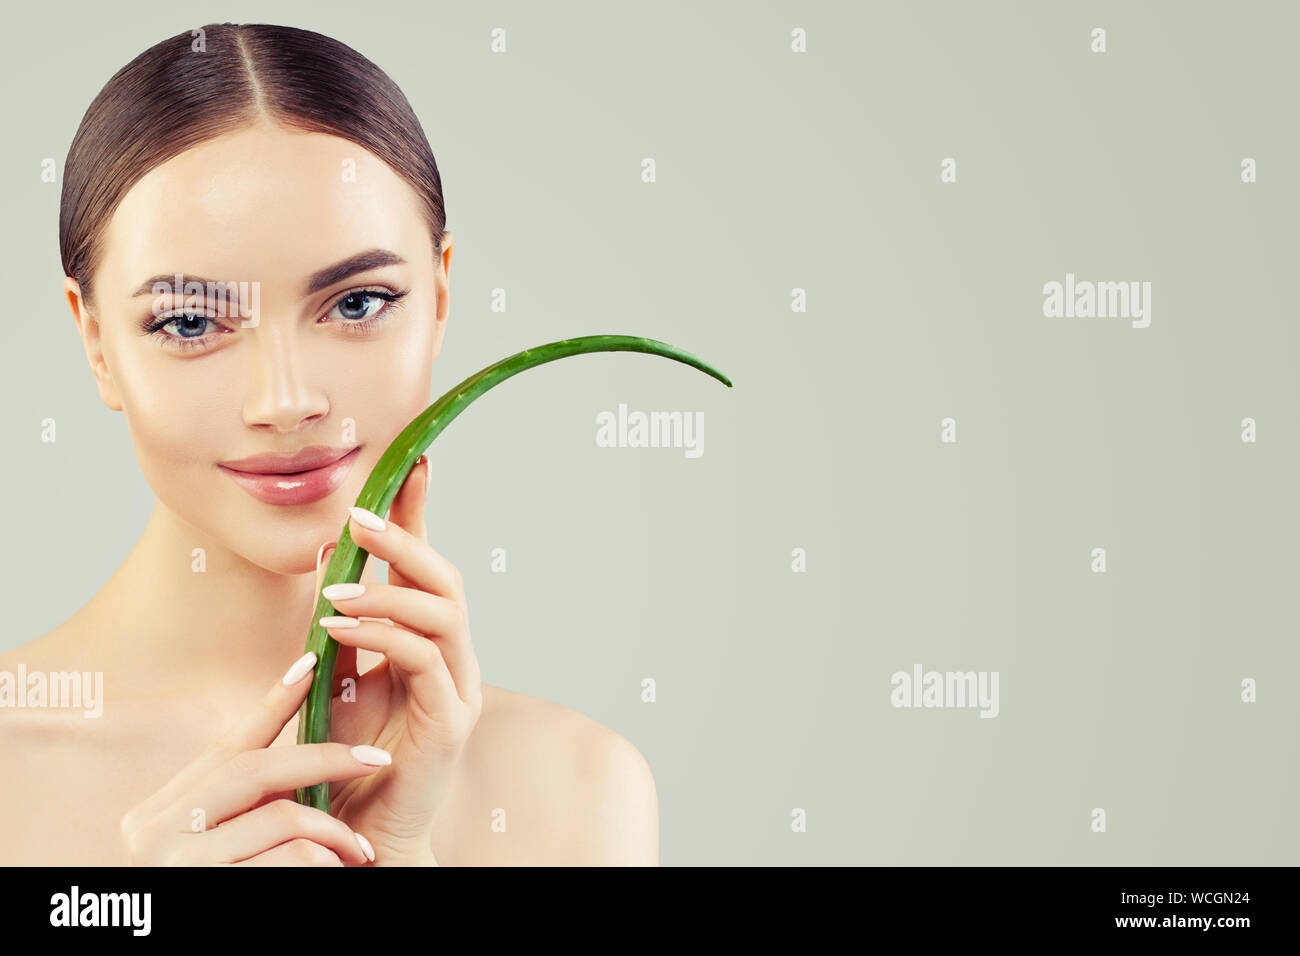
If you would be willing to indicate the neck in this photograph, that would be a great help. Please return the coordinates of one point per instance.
(232, 625)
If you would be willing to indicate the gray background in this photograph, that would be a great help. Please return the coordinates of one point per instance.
(818, 171)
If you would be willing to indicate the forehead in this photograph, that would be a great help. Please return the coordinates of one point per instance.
(260, 203)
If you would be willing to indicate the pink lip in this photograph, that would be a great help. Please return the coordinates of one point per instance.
(300, 488)
(284, 463)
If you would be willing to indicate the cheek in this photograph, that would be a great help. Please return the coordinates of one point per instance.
(177, 416)
(412, 368)
(389, 380)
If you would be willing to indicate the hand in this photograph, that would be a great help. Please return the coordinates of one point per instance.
(240, 793)
(421, 702)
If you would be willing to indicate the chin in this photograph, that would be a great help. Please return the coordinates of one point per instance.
(281, 560)
(282, 547)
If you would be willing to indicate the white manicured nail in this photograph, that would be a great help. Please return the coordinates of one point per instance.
(344, 589)
(300, 669)
(374, 756)
(339, 622)
(320, 552)
(368, 519)
(366, 848)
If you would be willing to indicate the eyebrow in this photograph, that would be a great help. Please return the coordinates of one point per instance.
(320, 279)
(361, 262)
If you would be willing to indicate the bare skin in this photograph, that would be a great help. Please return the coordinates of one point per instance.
(574, 792)
(480, 775)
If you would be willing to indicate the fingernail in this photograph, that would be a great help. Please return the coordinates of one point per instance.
(339, 622)
(300, 669)
(366, 848)
(368, 519)
(344, 589)
(320, 553)
(373, 756)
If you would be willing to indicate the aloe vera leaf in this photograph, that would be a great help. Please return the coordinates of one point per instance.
(386, 479)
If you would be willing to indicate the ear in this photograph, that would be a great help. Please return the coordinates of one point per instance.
(441, 286)
(88, 328)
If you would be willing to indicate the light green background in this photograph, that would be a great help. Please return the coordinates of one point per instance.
(818, 171)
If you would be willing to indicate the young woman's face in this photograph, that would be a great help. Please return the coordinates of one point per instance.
(299, 350)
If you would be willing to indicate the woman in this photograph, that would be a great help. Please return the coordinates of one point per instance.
(253, 233)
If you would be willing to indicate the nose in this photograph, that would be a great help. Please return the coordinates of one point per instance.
(281, 396)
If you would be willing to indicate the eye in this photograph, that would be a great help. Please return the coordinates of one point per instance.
(363, 309)
(190, 333)
(189, 325)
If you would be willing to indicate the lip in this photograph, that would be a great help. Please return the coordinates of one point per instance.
(283, 463)
(323, 471)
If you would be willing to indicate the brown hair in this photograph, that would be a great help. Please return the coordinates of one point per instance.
(181, 92)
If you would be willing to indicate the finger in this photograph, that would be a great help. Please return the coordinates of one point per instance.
(323, 555)
(408, 508)
(345, 663)
(427, 615)
(418, 656)
(269, 825)
(258, 728)
(418, 564)
(241, 782)
(294, 853)
(408, 512)
(417, 611)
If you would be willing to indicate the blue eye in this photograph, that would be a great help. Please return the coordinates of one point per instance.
(190, 334)
(184, 324)
(355, 306)
(356, 312)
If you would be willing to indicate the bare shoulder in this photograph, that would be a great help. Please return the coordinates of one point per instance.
(22, 669)
(555, 732)
(52, 758)
(548, 785)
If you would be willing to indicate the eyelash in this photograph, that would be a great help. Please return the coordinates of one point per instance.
(353, 326)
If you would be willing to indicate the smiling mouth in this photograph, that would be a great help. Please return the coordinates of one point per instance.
(296, 487)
